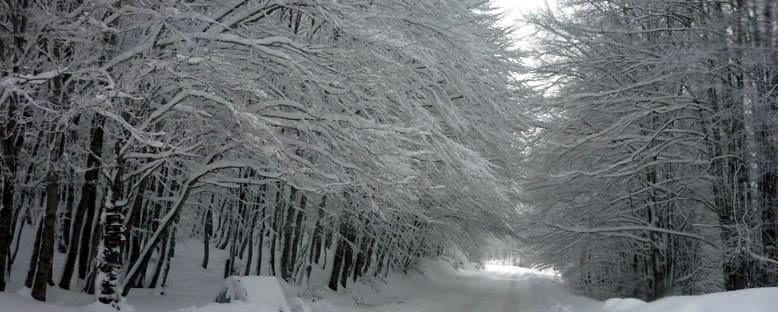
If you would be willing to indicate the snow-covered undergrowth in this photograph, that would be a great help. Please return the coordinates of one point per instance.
(262, 291)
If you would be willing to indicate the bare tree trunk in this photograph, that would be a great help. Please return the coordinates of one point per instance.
(46, 255)
(8, 172)
(170, 254)
(250, 231)
(109, 259)
(297, 235)
(134, 222)
(82, 223)
(276, 229)
(21, 213)
(207, 232)
(66, 217)
(231, 233)
(162, 254)
(17, 18)
(286, 202)
(346, 254)
(155, 238)
(224, 226)
(35, 253)
(318, 234)
(273, 255)
(261, 243)
(169, 258)
(337, 265)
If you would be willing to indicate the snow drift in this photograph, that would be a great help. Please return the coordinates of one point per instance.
(748, 300)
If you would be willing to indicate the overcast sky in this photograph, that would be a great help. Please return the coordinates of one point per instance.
(518, 7)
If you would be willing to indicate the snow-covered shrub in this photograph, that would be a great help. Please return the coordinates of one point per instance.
(263, 291)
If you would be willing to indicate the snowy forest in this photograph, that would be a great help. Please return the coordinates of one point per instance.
(630, 146)
(655, 168)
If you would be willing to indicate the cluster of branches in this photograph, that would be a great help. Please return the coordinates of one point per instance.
(345, 136)
(654, 172)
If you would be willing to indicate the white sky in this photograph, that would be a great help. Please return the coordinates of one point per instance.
(519, 7)
(516, 9)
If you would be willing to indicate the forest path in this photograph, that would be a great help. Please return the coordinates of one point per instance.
(497, 289)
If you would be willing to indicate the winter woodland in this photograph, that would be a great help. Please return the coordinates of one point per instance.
(655, 170)
(631, 146)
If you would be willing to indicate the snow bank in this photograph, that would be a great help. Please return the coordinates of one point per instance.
(298, 305)
(748, 300)
(100, 307)
(23, 302)
(435, 268)
(257, 291)
(622, 304)
(237, 306)
(13, 302)
(323, 306)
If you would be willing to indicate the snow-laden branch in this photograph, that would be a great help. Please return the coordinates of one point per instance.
(629, 228)
(12, 82)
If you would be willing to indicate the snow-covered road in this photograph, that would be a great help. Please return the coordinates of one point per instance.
(499, 289)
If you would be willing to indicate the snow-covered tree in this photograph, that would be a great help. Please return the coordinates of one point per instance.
(348, 136)
(648, 173)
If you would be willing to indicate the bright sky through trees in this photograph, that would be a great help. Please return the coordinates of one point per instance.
(518, 7)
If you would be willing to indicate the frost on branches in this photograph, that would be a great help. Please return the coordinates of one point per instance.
(346, 139)
(654, 170)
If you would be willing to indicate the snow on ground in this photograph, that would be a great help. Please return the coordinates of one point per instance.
(262, 291)
(189, 286)
(435, 287)
(514, 289)
(622, 304)
(498, 288)
(749, 300)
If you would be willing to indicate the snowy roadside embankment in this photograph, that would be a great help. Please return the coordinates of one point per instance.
(748, 300)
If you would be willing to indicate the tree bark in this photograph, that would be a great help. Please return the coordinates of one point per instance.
(67, 215)
(163, 250)
(337, 265)
(207, 232)
(134, 223)
(171, 253)
(286, 201)
(85, 211)
(35, 253)
(8, 135)
(296, 234)
(250, 231)
(46, 255)
(261, 243)
(109, 259)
